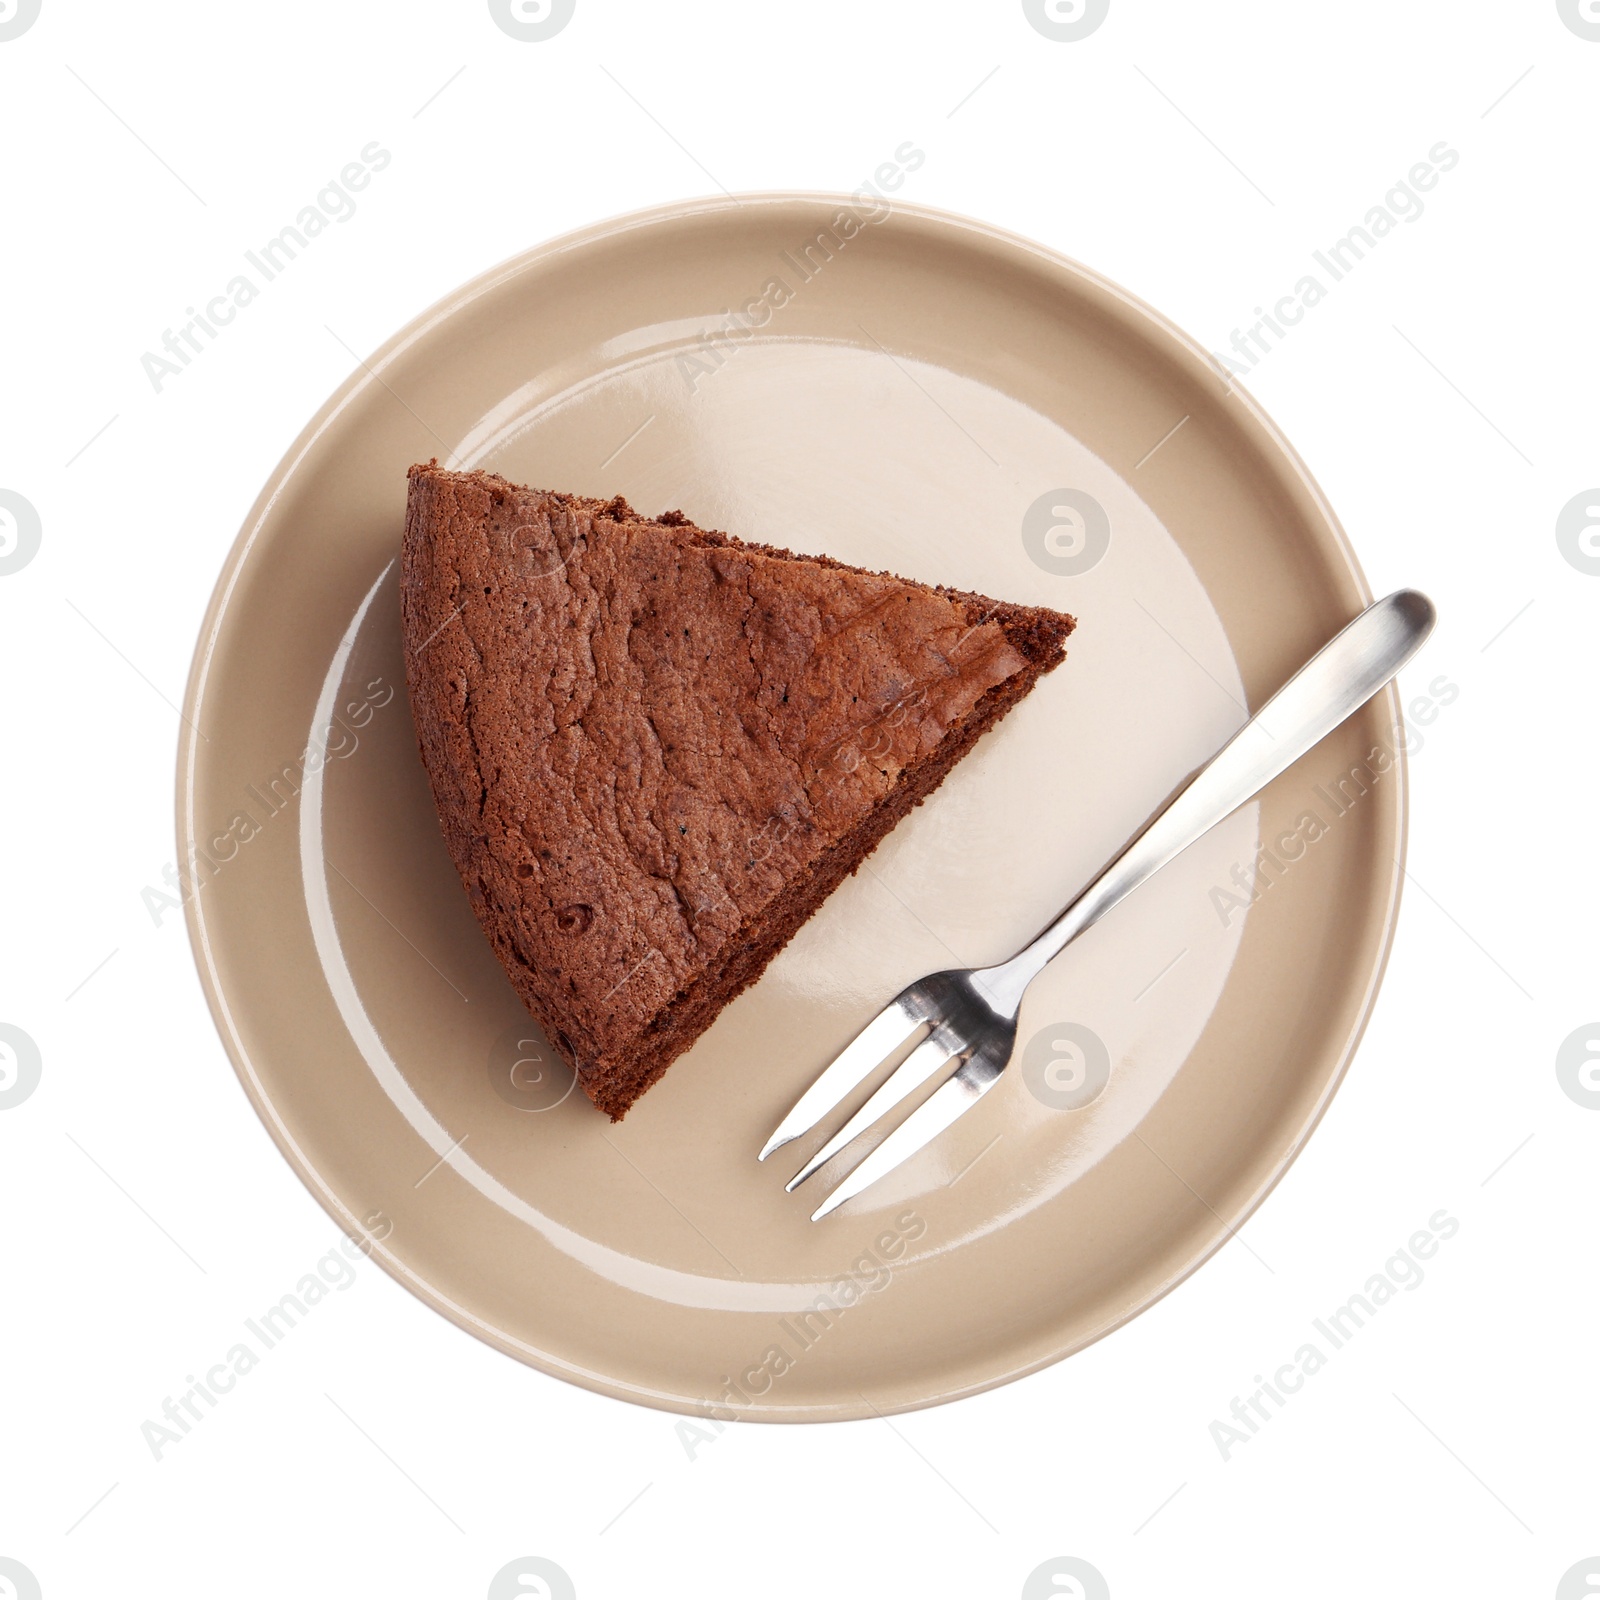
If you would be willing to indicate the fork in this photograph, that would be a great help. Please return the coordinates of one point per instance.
(965, 1020)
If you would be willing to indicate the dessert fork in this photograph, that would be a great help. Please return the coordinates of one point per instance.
(966, 1020)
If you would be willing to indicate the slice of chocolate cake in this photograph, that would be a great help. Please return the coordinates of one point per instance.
(656, 750)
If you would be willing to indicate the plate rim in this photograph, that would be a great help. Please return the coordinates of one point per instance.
(1179, 346)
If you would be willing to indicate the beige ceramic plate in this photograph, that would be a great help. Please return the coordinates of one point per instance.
(897, 393)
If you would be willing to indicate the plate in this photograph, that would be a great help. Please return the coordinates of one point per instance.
(901, 389)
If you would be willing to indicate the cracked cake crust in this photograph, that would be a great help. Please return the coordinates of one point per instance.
(655, 749)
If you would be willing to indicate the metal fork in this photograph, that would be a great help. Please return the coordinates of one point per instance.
(969, 1017)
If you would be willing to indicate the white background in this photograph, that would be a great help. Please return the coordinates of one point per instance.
(1444, 396)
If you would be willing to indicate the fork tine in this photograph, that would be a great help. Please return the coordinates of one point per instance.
(879, 1039)
(917, 1068)
(958, 1093)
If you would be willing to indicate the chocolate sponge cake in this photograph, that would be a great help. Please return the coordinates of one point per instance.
(655, 750)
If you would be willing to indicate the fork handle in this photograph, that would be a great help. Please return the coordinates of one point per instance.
(1352, 667)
